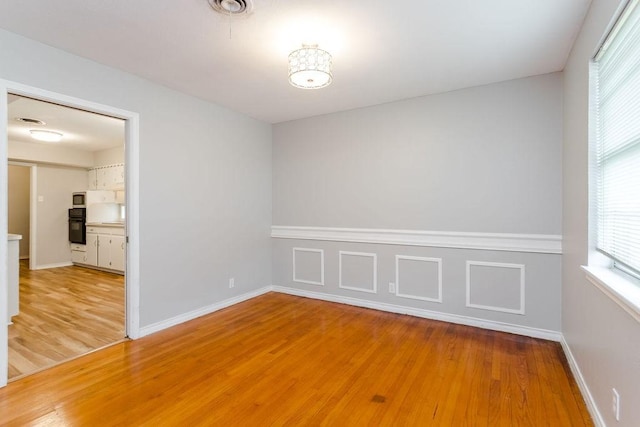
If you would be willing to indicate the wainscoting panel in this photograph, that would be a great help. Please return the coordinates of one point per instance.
(419, 278)
(308, 266)
(514, 289)
(496, 286)
(358, 271)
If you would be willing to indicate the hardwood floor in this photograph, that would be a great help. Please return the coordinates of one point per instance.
(284, 360)
(64, 312)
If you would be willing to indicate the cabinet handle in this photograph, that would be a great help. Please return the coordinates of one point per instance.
(122, 245)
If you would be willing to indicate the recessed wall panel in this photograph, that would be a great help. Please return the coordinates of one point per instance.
(419, 278)
(308, 266)
(496, 286)
(358, 271)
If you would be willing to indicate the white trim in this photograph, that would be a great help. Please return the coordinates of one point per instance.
(490, 307)
(33, 206)
(621, 290)
(427, 314)
(33, 218)
(185, 317)
(582, 385)
(438, 261)
(4, 297)
(54, 265)
(132, 163)
(536, 243)
(132, 223)
(310, 282)
(375, 271)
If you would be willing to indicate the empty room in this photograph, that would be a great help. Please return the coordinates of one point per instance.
(322, 213)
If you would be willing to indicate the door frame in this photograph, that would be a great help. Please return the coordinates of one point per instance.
(132, 187)
(33, 210)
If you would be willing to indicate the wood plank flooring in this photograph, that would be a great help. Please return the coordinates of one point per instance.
(280, 360)
(64, 312)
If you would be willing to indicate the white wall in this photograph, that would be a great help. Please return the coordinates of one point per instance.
(42, 153)
(205, 187)
(54, 187)
(18, 194)
(427, 162)
(109, 156)
(486, 159)
(603, 338)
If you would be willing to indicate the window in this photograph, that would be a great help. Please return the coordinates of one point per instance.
(617, 138)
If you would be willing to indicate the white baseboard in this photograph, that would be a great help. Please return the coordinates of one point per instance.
(56, 265)
(582, 384)
(428, 314)
(164, 324)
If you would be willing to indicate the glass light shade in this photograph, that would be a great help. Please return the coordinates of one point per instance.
(46, 135)
(310, 68)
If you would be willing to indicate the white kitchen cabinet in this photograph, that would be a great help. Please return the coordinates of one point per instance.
(91, 254)
(109, 177)
(111, 252)
(13, 275)
(116, 253)
(92, 179)
(105, 248)
(78, 253)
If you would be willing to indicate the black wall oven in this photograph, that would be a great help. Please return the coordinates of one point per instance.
(77, 223)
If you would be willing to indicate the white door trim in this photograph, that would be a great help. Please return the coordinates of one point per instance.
(132, 164)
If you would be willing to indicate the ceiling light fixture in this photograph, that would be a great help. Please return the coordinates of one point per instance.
(310, 67)
(46, 135)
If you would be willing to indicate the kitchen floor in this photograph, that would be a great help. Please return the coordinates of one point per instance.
(64, 313)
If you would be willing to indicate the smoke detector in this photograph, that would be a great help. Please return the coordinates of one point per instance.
(231, 7)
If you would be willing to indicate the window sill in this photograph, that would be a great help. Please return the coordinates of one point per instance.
(624, 291)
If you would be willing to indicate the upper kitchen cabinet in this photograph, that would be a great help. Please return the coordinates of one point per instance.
(109, 177)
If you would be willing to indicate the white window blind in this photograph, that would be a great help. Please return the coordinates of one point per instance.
(617, 135)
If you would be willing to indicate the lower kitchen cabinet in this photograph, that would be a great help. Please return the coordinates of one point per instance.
(111, 252)
(105, 248)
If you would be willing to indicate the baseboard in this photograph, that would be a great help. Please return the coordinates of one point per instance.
(582, 385)
(164, 324)
(428, 314)
(56, 265)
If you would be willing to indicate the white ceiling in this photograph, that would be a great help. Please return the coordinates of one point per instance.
(383, 50)
(81, 130)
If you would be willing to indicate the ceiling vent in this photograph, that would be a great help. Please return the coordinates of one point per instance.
(30, 121)
(231, 7)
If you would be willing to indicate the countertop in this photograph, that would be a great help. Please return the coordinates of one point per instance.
(106, 224)
(14, 237)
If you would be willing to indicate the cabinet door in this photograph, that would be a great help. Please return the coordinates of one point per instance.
(104, 178)
(118, 177)
(78, 257)
(104, 251)
(117, 253)
(92, 249)
(92, 179)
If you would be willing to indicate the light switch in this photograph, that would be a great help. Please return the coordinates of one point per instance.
(41, 198)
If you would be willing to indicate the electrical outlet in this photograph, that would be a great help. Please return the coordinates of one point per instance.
(392, 288)
(615, 404)
(232, 282)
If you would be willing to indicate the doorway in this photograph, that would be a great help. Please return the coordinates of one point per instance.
(130, 280)
(65, 309)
